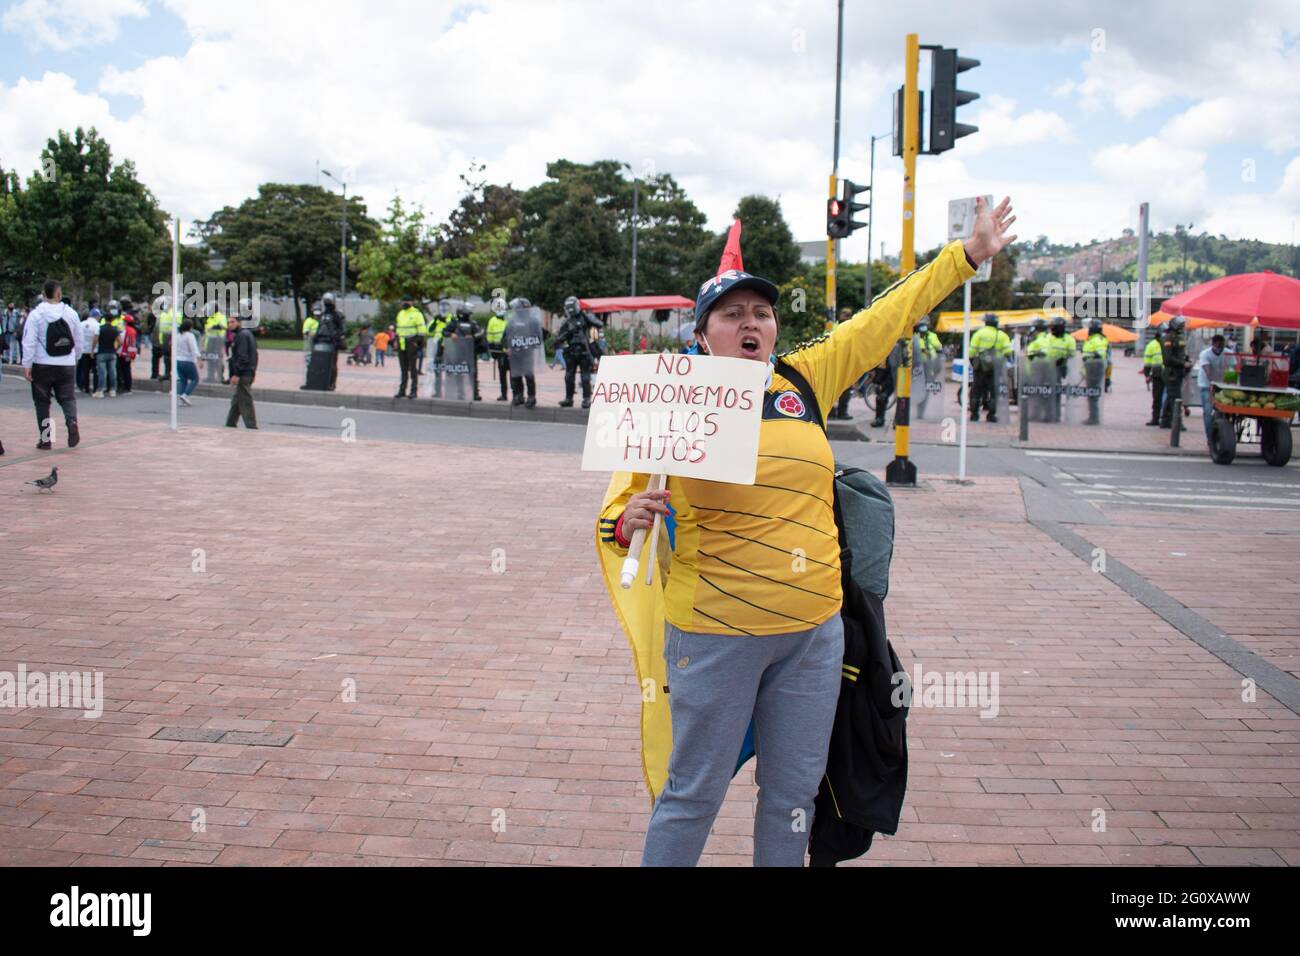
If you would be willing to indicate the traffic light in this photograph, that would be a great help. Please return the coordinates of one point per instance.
(945, 98)
(840, 223)
(835, 218)
(850, 208)
(898, 121)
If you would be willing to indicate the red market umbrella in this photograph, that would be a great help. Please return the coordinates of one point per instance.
(1263, 298)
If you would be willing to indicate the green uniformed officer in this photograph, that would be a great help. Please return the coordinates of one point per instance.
(1153, 370)
(496, 330)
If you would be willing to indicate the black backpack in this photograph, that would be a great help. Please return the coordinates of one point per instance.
(58, 338)
(862, 791)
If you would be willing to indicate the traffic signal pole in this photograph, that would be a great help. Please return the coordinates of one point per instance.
(835, 169)
(902, 471)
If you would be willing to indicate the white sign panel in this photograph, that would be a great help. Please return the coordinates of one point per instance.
(694, 416)
(961, 225)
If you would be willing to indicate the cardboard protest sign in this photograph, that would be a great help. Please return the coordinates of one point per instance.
(693, 416)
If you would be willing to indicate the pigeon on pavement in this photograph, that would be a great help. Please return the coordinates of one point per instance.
(48, 482)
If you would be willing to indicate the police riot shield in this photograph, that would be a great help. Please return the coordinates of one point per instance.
(928, 385)
(457, 365)
(1037, 387)
(431, 380)
(1074, 392)
(523, 341)
(1094, 388)
(321, 364)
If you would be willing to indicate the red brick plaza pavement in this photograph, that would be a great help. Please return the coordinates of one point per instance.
(312, 647)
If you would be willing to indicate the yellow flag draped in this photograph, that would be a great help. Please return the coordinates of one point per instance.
(640, 611)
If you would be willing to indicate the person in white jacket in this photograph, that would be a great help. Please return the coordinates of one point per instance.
(51, 347)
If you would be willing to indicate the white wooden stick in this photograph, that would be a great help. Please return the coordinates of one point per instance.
(632, 561)
(653, 551)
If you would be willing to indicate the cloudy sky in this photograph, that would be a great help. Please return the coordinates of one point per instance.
(1087, 106)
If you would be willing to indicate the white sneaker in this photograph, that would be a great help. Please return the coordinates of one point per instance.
(184, 399)
(112, 393)
(96, 394)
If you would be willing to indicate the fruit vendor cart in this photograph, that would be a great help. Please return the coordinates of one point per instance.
(1253, 406)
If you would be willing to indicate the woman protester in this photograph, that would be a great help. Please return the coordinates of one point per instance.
(751, 633)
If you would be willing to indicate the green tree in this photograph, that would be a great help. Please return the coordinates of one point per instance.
(287, 238)
(410, 256)
(575, 251)
(82, 219)
(766, 242)
(670, 228)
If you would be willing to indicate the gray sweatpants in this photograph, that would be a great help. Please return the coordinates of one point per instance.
(789, 684)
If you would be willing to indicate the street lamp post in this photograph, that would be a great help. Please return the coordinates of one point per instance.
(871, 218)
(343, 246)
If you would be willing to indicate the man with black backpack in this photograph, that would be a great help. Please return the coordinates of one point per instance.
(51, 347)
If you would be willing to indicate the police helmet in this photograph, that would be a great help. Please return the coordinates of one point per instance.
(923, 326)
(1177, 323)
(1094, 327)
(990, 319)
(1058, 326)
(571, 305)
(113, 307)
(327, 299)
(463, 311)
(1040, 324)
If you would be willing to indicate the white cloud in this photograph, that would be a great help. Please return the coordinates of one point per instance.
(407, 92)
(1171, 178)
(1000, 127)
(63, 25)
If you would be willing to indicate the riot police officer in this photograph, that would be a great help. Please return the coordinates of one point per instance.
(1096, 357)
(1060, 349)
(1153, 369)
(574, 340)
(1177, 364)
(496, 329)
(989, 348)
(333, 331)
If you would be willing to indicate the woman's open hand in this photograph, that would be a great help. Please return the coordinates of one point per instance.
(989, 237)
(641, 509)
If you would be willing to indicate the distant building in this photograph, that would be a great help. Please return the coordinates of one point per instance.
(811, 253)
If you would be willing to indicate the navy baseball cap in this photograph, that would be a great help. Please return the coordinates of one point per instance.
(729, 281)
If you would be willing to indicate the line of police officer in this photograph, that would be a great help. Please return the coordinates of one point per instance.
(1048, 356)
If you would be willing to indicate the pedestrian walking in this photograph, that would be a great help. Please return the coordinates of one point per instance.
(187, 360)
(243, 366)
(51, 347)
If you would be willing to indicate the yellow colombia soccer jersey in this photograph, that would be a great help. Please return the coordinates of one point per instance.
(764, 558)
